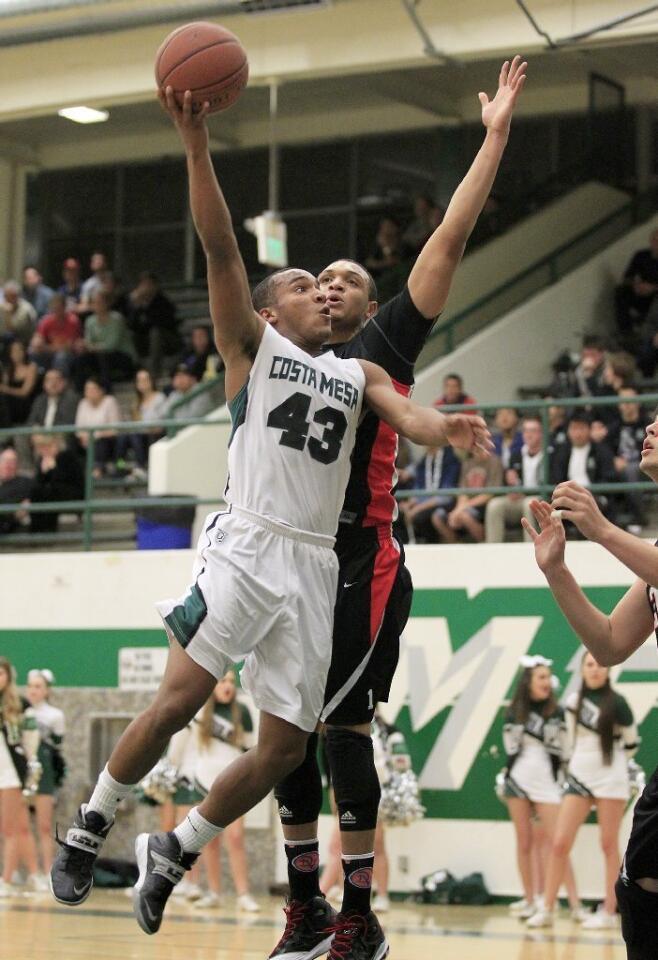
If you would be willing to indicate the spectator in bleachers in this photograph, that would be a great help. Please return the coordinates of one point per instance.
(117, 298)
(56, 405)
(14, 488)
(524, 470)
(453, 392)
(35, 291)
(19, 382)
(438, 469)
(184, 382)
(647, 354)
(58, 476)
(72, 285)
(152, 319)
(590, 372)
(107, 350)
(636, 295)
(507, 437)
(17, 316)
(57, 334)
(201, 357)
(389, 250)
(97, 408)
(582, 459)
(620, 370)
(557, 425)
(627, 457)
(427, 217)
(149, 405)
(467, 516)
(98, 265)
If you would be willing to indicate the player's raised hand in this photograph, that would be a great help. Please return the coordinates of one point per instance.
(191, 126)
(550, 541)
(497, 113)
(577, 504)
(468, 432)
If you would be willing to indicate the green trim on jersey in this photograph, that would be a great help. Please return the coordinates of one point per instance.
(237, 407)
(185, 619)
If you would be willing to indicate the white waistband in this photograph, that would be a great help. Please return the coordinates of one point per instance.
(283, 530)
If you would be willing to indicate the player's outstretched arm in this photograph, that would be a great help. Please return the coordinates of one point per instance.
(610, 639)
(238, 328)
(431, 277)
(422, 425)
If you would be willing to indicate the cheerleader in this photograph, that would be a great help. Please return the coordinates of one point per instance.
(534, 739)
(50, 723)
(603, 738)
(19, 768)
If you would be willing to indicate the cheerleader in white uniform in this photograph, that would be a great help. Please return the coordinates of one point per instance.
(603, 738)
(50, 723)
(19, 743)
(534, 739)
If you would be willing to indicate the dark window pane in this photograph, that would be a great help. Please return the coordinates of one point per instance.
(315, 176)
(315, 241)
(162, 251)
(154, 193)
(79, 201)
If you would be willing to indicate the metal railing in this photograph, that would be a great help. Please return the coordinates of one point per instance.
(90, 504)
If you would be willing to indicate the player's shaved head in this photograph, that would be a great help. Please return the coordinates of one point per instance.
(265, 294)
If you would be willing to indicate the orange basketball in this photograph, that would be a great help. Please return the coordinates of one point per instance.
(206, 59)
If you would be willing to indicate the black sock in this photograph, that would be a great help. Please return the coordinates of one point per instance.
(303, 869)
(357, 871)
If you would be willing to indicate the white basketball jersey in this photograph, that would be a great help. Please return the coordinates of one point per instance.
(294, 424)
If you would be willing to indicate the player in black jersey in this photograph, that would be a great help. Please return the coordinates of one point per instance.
(611, 640)
(374, 593)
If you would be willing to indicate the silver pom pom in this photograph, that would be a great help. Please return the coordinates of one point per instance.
(400, 803)
(161, 782)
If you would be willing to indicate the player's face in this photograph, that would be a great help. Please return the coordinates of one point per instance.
(540, 683)
(649, 458)
(301, 313)
(37, 690)
(347, 287)
(593, 673)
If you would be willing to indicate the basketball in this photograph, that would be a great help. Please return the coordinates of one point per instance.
(206, 59)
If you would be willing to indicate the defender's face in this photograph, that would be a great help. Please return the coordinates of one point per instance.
(301, 312)
(649, 458)
(347, 287)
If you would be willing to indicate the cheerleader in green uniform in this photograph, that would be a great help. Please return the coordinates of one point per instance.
(50, 722)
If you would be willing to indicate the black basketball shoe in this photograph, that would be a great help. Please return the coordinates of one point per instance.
(309, 930)
(71, 875)
(358, 938)
(162, 864)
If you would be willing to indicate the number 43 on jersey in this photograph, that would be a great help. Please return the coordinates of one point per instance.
(291, 417)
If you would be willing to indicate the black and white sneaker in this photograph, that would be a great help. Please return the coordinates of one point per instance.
(358, 938)
(71, 875)
(162, 864)
(309, 930)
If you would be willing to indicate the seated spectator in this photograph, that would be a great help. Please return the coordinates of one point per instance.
(389, 250)
(56, 405)
(620, 370)
(35, 291)
(72, 286)
(467, 516)
(427, 217)
(453, 392)
(438, 469)
(201, 357)
(19, 383)
(636, 295)
(557, 425)
(507, 437)
(14, 488)
(59, 476)
(524, 470)
(582, 459)
(98, 265)
(96, 408)
(628, 453)
(152, 319)
(117, 298)
(107, 350)
(149, 405)
(184, 383)
(17, 316)
(57, 334)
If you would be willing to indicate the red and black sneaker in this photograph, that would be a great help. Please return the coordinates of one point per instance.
(358, 938)
(309, 930)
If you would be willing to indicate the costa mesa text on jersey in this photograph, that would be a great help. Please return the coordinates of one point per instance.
(285, 368)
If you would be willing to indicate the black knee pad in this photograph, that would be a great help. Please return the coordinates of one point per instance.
(299, 795)
(354, 778)
(639, 919)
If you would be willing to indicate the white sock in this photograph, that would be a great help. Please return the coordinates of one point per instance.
(107, 794)
(195, 832)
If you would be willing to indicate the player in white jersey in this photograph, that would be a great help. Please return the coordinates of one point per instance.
(264, 582)
(611, 639)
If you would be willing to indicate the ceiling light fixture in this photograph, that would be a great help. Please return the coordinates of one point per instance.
(84, 114)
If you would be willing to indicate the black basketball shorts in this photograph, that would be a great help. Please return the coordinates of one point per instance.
(372, 608)
(641, 859)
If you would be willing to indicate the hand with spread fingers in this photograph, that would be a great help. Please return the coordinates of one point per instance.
(550, 541)
(497, 113)
(468, 432)
(577, 504)
(191, 126)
